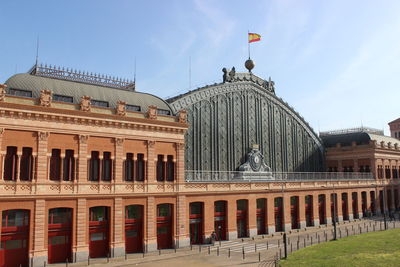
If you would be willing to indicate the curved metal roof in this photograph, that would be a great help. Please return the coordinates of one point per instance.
(76, 90)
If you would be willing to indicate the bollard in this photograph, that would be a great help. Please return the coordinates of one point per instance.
(191, 247)
(259, 256)
(243, 253)
(291, 247)
(208, 250)
(66, 262)
(88, 260)
(219, 242)
(175, 249)
(298, 244)
(242, 240)
(311, 241)
(229, 252)
(159, 252)
(318, 240)
(44, 264)
(347, 232)
(126, 256)
(143, 253)
(217, 251)
(304, 242)
(255, 247)
(199, 248)
(267, 244)
(108, 257)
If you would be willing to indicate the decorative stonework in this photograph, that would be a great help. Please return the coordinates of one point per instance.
(179, 146)
(2, 91)
(182, 117)
(152, 113)
(43, 136)
(83, 139)
(85, 103)
(1, 131)
(45, 98)
(121, 108)
(119, 141)
(151, 143)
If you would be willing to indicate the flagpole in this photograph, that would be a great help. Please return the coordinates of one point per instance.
(248, 43)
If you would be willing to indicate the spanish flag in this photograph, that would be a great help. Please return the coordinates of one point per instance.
(254, 37)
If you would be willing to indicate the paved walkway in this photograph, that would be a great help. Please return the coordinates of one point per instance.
(260, 251)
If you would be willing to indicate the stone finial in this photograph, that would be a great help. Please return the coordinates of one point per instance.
(152, 112)
(3, 91)
(182, 116)
(45, 98)
(121, 108)
(85, 103)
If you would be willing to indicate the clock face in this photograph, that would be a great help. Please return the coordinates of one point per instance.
(255, 161)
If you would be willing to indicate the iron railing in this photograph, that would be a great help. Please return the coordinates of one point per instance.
(238, 176)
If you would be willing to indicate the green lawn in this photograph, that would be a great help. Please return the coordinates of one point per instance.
(371, 249)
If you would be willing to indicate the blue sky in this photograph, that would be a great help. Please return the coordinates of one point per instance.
(336, 62)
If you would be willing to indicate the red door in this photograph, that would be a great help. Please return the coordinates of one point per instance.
(278, 214)
(59, 244)
(134, 228)
(164, 226)
(14, 238)
(98, 232)
(364, 203)
(354, 204)
(59, 235)
(196, 222)
(321, 209)
(294, 212)
(220, 220)
(345, 207)
(309, 211)
(261, 229)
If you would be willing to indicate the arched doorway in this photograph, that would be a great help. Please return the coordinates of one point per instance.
(99, 232)
(261, 227)
(164, 226)
(220, 215)
(294, 212)
(354, 203)
(241, 217)
(278, 211)
(59, 235)
(321, 209)
(309, 210)
(134, 228)
(345, 207)
(14, 238)
(196, 222)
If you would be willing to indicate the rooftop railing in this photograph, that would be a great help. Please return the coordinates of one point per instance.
(238, 176)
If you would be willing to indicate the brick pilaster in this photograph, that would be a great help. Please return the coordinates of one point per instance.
(118, 160)
(252, 216)
(182, 233)
(82, 247)
(82, 160)
(315, 209)
(180, 162)
(118, 243)
(42, 156)
(302, 211)
(150, 173)
(271, 215)
(39, 251)
(150, 235)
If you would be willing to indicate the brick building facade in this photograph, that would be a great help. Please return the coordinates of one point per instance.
(89, 167)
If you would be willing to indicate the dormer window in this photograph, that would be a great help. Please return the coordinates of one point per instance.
(99, 103)
(163, 112)
(63, 98)
(20, 92)
(132, 107)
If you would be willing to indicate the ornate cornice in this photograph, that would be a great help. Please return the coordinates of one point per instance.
(39, 113)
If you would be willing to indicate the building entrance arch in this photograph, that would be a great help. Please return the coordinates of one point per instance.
(59, 235)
